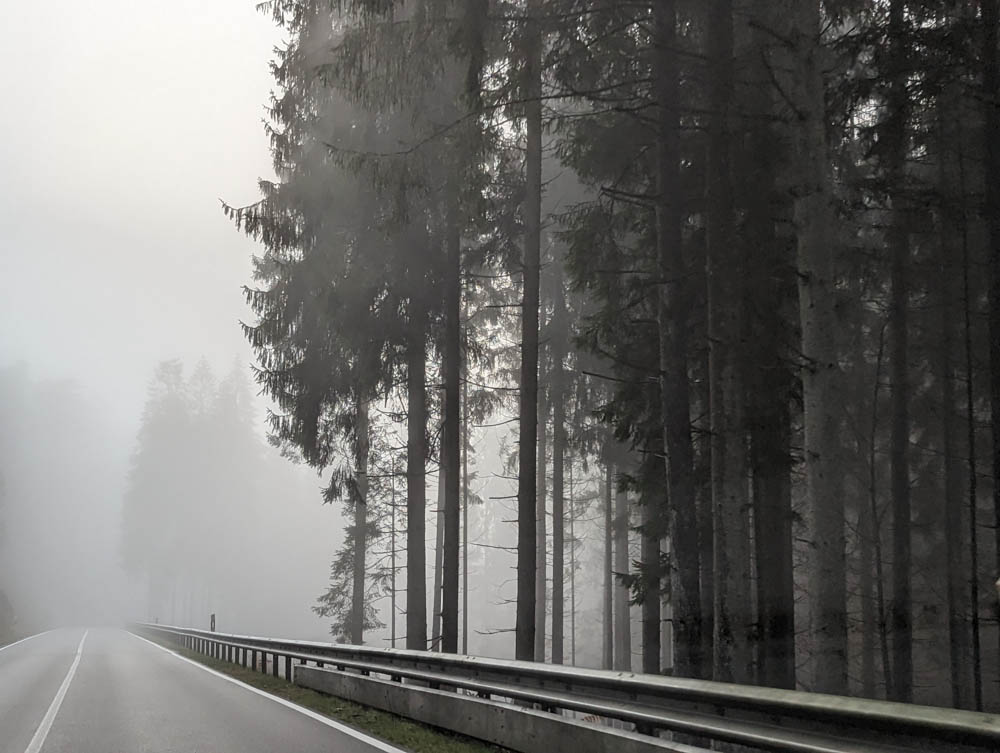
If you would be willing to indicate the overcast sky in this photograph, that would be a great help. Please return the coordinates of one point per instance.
(124, 123)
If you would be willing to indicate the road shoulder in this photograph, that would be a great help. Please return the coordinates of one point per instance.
(395, 730)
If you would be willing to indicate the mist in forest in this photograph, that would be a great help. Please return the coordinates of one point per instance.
(116, 258)
(648, 336)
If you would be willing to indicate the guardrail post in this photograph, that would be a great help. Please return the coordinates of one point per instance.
(274, 666)
(288, 668)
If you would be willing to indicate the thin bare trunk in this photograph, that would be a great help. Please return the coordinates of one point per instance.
(607, 654)
(435, 644)
(867, 585)
(392, 556)
(572, 569)
(558, 344)
(451, 436)
(357, 619)
(970, 417)
(899, 252)
(876, 520)
(465, 517)
(541, 525)
(528, 418)
(416, 493)
(650, 557)
(991, 208)
(622, 596)
(950, 249)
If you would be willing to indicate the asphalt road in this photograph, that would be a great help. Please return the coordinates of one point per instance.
(104, 690)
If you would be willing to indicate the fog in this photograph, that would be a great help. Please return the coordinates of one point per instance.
(124, 126)
(127, 126)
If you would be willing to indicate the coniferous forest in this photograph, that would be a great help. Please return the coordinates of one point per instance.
(710, 289)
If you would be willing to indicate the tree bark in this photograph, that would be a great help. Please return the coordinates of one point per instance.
(558, 345)
(361, 450)
(623, 632)
(991, 207)
(416, 502)
(899, 251)
(524, 643)
(572, 569)
(436, 611)
(392, 556)
(876, 521)
(731, 525)
(867, 586)
(672, 323)
(651, 575)
(814, 225)
(970, 419)
(949, 134)
(541, 498)
(771, 292)
(607, 653)
(451, 456)
(465, 516)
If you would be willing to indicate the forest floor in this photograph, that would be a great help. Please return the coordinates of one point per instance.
(397, 730)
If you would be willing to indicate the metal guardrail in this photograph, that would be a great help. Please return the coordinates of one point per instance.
(702, 711)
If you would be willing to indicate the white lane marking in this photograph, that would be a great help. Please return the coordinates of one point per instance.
(349, 731)
(36, 635)
(50, 716)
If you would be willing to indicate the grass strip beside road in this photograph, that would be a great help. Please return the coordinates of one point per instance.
(416, 737)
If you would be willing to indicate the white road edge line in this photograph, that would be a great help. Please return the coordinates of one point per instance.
(50, 716)
(36, 635)
(349, 731)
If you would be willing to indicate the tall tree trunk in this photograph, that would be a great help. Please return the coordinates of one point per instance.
(392, 556)
(572, 569)
(558, 345)
(541, 498)
(899, 252)
(651, 533)
(416, 502)
(732, 655)
(435, 644)
(876, 520)
(814, 224)
(970, 418)
(451, 457)
(991, 207)
(867, 586)
(361, 449)
(607, 653)
(949, 134)
(623, 628)
(770, 290)
(772, 490)
(958, 644)
(672, 323)
(465, 515)
(706, 534)
(528, 419)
